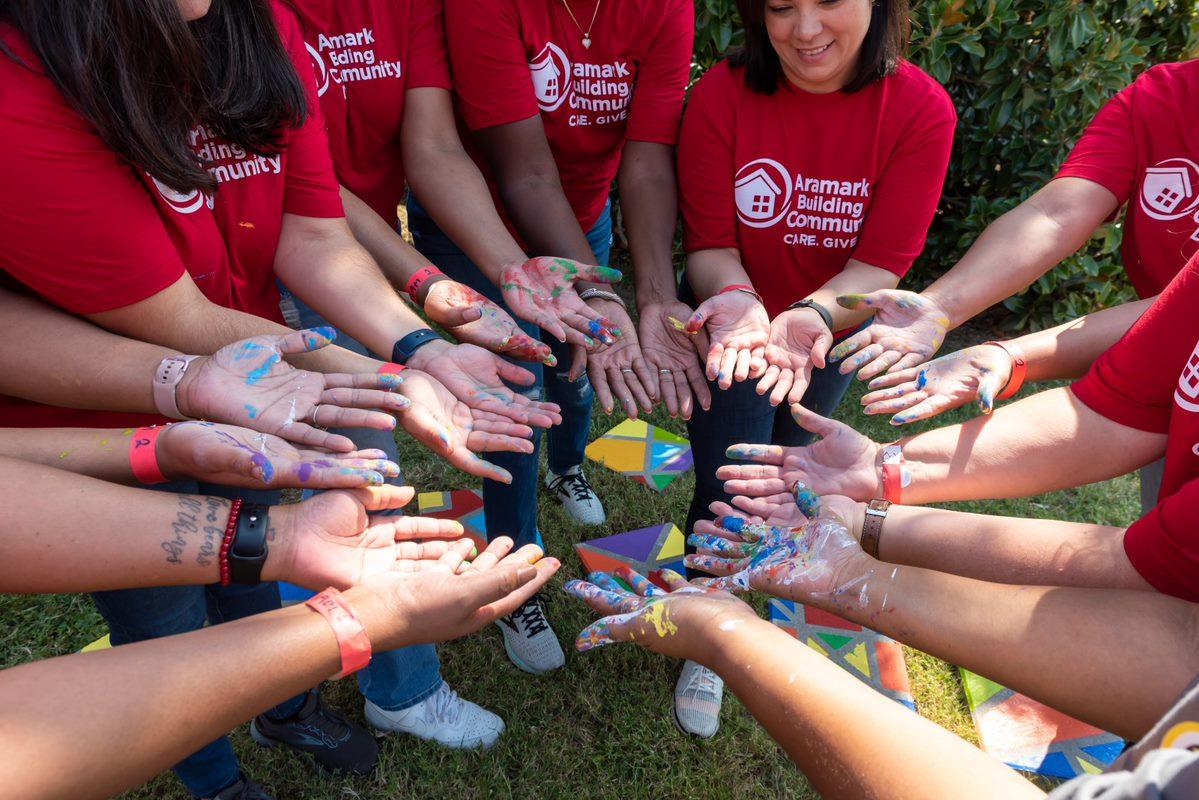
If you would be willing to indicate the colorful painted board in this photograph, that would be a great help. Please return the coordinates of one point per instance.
(870, 656)
(464, 505)
(644, 452)
(645, 550)
(1032, 736)
(102, 643)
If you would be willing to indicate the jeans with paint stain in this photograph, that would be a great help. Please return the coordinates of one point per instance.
(396, 679)
(135, 615)
(511, 509)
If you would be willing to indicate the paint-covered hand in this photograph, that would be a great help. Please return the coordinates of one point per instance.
(675, 356)
(679, 623)
(779, 510)
(842, 461)
(619, 372)
(476, 377)
(233, 456)
(908, 329)
(472, 318)
(450, 597)
(340, 538)
(738, 329)
(973, 375)
(542, 291)
(248, 383)
(819, 561)
(455, 431)
(799, 341)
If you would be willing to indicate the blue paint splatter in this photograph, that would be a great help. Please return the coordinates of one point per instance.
(922, 379)
(734, 524)
(262, 370)
(252, 411)
(719, 376)
(594, 327)
(246, 350)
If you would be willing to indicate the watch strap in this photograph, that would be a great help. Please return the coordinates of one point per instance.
(872, 526)
(248, 550)
(818, 308)
(407, 346)
(167, 376)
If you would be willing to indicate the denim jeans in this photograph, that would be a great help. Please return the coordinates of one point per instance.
(740, 414)
(511, 509)
(135, 615)
(396, 679)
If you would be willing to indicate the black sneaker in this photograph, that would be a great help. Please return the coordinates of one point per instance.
(335, 743)
(242, 789)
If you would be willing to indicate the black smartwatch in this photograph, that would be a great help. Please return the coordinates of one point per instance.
(402, 350)
(247, 551)
(819, 309)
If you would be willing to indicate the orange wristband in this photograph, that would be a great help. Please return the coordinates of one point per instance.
(391, 368)
(419, 278)
(352, 640)
(1019, 368)
(741, 287)
(142, 457)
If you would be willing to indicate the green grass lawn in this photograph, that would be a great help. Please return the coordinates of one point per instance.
(601, 727)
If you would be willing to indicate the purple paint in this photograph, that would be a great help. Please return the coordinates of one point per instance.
(305, 472)
(264, 464)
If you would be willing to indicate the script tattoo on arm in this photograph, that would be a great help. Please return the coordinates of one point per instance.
(187, 518)
(217, 512)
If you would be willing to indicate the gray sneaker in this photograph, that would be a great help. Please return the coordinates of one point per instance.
(529, 640)
(578, 499)
(697, 698)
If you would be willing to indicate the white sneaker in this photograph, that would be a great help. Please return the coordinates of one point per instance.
(529, 640)
(697, 698)
(443, 717)
(577, 497)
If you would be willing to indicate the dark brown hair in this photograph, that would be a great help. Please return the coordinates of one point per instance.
(885, 44)
(145, 77)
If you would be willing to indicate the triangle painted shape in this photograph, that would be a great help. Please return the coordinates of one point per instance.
(858, 658)
(637, 545)
(675, 544)
(834, 640)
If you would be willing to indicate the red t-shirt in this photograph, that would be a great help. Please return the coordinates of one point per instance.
(800, 183)
(1149, 380)
(515, 59)
(1142, 148)
(366, 54)
(90, 232)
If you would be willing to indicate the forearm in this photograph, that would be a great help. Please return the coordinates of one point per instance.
(1038, 552)
(856, 278)
(709, 271)
(1039, 444)
(63, 718)
(813, 709)
(1021, 246)
(1054, 644)
(397, 260)
(1069, 350)
(323, 265)
(649, 204)
(546, 222)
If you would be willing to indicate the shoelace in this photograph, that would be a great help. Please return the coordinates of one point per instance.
(702, 680)
(575, 483)
(446, 706)
(532, 616)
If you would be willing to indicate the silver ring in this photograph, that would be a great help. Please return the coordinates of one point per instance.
(665, 372)
(625, 369)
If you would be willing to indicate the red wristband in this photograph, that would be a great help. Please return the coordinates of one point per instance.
(352, 640)
(142, 457)
(227, 542)
(896, 474)
(420, 278)
(741, 287)
(1019, 368)
(391, 368)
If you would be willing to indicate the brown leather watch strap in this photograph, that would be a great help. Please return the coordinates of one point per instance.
(872, 526)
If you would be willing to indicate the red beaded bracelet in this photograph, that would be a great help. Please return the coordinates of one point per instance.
(227, 542)
(419, 279)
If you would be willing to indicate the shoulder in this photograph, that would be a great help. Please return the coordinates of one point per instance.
(919, 89)
(1164, 83)
(722, 82)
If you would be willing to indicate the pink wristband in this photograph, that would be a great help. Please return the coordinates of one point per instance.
(391, 368)
(352, 640)
(420, 278)
(142, 457)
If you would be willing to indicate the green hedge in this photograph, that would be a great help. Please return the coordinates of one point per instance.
(1026, 76)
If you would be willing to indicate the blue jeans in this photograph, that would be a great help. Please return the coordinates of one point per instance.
(740, 414)
(396, 679)
(511, 509)
(135, 615)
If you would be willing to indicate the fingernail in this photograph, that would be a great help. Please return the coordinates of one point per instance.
(327, 331)
(474, 551)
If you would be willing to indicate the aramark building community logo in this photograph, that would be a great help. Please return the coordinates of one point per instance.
(594, 94)
(1170, 190)
(817, 212)
(347, 57)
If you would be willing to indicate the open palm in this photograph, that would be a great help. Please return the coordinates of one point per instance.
(908, 329)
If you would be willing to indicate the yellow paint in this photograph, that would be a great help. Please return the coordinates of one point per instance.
(1091, 769)
(658, 615)
(812, 643)
(859, 659)
(64, 454)
(673, 547)
(428, 500)
(100, 644)
(618, 455)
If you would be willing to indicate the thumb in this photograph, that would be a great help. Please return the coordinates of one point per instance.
(598, 274)
(304, 341)
(819, 350)
(703, 312)
(988, 387)
(812, 422)
(452, 316)
(385, 497)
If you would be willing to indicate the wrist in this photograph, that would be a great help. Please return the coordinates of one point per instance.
(1017, 368)
(426, 288)
(383, 626)
(184, 389)
(169, 462)
(944, 302)
(427, 348)
(281, 555)
(857, 520)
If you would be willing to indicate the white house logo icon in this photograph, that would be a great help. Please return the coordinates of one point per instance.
(1170, 189)
(551, 77)
(762, 191)
(188, 203)
(1188, 382)
(322, 71)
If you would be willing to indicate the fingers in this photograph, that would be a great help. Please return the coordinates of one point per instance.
(741, 370)
(307, 435)
(524, 347)
(649, 382)
(673, 580)
(481, 441)
(641, 585)
(850, 345)
(860, 358)
(503, 589)
(812, 422)
(893, 378)
(726, 367)
(496, 550)
(672, 395)
(621, 388)
(304, 341)
(514, 374)
(720, 546)
(769, 378)
(602, 600)
(806, 499)
(546, 321)
(598, 274)
(405, 528)
(903, 400)
(879, 365)
(329, 472)
(754, 487)
(699, 387)
(712, 361)
(799, 385)
(761, 453)
(988, 387)
(454, 556)
(908, 361)
(385, 498)
(929, 407)
(578, 362)
(761, 507)
(714, 565)
(701, 314)
(603, 392)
